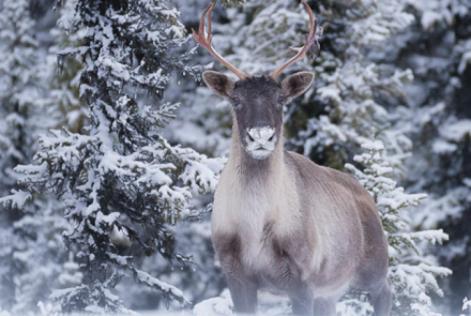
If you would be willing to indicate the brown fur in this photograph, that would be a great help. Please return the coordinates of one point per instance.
(287, 223)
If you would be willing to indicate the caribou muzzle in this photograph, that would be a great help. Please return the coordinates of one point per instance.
(260, 142)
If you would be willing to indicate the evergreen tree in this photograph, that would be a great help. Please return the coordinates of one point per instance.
(122, 183)
(438, 119)
(390, 105)
(412, 273)
(30, 242)
(20, 89)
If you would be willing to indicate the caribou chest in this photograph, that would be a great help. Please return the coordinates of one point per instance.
(260, 212)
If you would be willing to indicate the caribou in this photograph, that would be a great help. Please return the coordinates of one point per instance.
(279, 220)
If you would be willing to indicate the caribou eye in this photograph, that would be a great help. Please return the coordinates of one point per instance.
(237, 106)
(236, 103)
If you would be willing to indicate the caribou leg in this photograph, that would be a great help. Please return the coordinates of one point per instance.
(242, 287)
(382, 301)
(324, 306)
(243, 293)
(301, 300)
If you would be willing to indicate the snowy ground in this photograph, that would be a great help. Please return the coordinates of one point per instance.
(269, 305)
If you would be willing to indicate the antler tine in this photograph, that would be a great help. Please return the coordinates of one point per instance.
(311, 38)
(210, 22)
(205, 40)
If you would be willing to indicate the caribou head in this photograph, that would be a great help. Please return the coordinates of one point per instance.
(257, 101)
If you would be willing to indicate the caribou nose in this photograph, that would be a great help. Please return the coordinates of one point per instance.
(261, 135)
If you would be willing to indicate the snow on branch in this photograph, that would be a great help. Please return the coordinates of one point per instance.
(166, 288)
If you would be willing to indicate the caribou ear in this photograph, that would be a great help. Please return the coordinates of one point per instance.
(218, 82)
(297, 84)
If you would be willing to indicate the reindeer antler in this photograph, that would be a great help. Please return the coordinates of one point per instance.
(310, 40)
(206, 41)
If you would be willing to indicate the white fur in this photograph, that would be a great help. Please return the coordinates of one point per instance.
(261, 134)
(259, 154)
(259, 144)
(247, 208)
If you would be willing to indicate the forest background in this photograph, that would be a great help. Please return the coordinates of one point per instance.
(110, 145)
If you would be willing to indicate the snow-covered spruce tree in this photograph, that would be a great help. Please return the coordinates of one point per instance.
(355, 102)
(16, 50)
(30, 225)
(122, 183)
(39, 254)
(438, 119)
(412, 273)
(20, 89)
